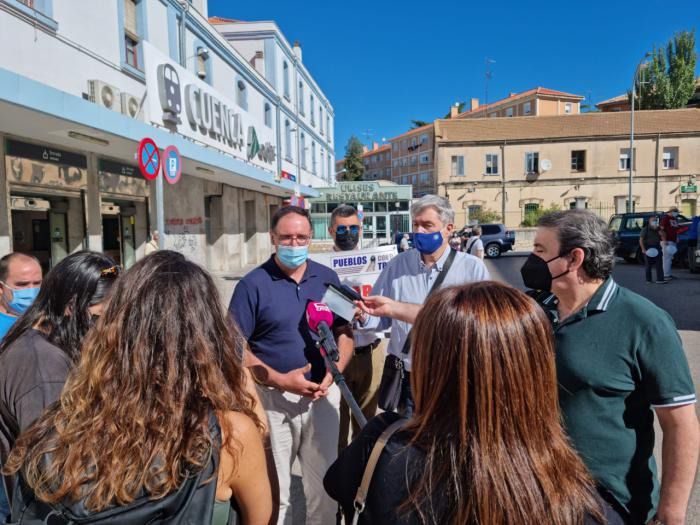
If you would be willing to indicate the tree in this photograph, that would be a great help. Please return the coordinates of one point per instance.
(354, 167)
(419, 123)
(667, 81)
(531, 217)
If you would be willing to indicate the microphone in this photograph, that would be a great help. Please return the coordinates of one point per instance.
(320, 318)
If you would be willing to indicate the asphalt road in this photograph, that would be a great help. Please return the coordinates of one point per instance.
(680, 298)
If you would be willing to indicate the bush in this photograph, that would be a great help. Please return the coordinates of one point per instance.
(484, 217)
(532, 217)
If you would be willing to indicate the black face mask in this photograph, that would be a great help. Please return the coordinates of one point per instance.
(536, 274)
(347, 241)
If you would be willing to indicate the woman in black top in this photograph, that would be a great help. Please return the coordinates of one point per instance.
(485, 445)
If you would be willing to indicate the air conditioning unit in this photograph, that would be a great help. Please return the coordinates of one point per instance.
(130, 105)
(104, 95)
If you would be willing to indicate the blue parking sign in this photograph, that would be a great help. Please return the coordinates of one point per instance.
(172, 164)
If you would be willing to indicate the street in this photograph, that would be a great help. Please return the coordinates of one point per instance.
(680, 298)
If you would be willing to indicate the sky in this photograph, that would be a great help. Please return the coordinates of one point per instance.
(382, 64)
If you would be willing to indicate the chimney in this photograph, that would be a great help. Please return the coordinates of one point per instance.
(364, 149)
(297, 50)
(375, 146)
(454, 110)
(512, 94)
(475, 104)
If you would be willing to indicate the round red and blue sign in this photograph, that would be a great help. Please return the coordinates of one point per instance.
(149, 158)
(172, 164)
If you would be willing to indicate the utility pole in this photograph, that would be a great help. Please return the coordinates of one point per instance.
(487, 76)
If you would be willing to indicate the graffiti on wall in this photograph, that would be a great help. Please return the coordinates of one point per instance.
(185, 235)
(25, 171)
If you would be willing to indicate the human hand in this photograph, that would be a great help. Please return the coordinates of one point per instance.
(324, 386)
(295, 382)
(378, 306)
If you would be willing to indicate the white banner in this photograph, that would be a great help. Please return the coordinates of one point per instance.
(180, 101)
(358, 268)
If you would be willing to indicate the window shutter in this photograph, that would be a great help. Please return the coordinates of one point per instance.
(130, 17)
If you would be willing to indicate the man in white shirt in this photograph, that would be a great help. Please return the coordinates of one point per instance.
(475, 246)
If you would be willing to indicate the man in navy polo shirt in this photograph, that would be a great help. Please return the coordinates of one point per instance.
(300, 399)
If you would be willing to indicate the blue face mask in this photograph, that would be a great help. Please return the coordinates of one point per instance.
(22, 299)
(292, 256)
(427, 243)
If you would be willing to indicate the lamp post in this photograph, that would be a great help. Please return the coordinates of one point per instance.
(630, 207)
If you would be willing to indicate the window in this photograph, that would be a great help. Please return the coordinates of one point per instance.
(313, 157)
(132, 34)
(424, 178)
(491, 164)
(288, 140)
(425, 158)
(303, 151)
(241, 94)
(328, 126)
(268, 115)
(404, 143)
(301, 98)
(414, 160)
(578, 160)
(568, 107)
(579, 203)
(396, 163)
(532, 162)
(424, 138)
(531, 207)
(323, 165)
(413, 179)
(670, 158)
(475, 209)
(625, 159)
(285, 78)
(509, 112)
(527, 108)
(414, 141)
(457, 166)
(491, 229)
(320, 120)
(493, 115)
(311, 109)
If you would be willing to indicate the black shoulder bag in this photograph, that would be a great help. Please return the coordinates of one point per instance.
(393, 373)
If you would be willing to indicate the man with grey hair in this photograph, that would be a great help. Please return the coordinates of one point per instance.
(404, 284)
(618, 357)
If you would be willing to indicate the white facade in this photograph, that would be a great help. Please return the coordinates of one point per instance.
(85, 81)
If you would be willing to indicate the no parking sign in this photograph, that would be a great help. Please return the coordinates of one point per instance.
(149, 158)
(172, 164)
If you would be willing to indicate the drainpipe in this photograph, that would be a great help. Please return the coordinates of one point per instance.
(503, 182)
(656, 172)
(183, 45)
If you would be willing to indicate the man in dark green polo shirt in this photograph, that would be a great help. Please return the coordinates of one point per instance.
(618, 357)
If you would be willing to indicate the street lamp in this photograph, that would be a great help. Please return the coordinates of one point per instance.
(631, 153)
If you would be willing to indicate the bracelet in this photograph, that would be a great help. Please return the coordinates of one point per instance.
(655, 521)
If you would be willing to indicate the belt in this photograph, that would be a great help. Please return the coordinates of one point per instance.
(367, 348)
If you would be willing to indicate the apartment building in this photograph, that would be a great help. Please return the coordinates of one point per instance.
(516, 165)
(413, 159)
(536, 102)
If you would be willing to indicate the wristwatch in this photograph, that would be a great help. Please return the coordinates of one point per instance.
(655, 521)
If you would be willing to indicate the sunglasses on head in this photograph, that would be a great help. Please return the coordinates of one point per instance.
(112, 271)
(342, 229)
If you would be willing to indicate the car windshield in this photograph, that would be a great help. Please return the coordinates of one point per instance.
(615, 223)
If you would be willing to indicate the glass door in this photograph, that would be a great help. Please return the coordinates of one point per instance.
(59, 237)
(128, 243)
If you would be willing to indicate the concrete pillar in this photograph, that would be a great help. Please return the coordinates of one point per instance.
(93, 206)
(233, 243)
(5, 210)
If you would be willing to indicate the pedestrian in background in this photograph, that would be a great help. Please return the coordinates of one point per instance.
(485, 444)
(152, 245)
(669, 238)
(475, 246)
(650, 243)
(154, 425)
(43, 346)
(404, 245)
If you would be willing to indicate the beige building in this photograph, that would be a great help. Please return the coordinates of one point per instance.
(514, 166)
(413, 159)
(536, 102)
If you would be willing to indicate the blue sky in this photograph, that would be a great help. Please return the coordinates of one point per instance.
(382, 64)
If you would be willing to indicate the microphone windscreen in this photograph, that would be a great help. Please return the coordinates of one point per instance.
(317, 313)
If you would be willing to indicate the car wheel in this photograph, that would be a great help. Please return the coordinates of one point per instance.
(493, 250)
(631, 259)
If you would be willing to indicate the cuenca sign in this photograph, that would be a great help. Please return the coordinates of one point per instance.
(176, 94)
(361, 191)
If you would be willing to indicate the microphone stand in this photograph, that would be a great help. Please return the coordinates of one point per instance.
(330, 354)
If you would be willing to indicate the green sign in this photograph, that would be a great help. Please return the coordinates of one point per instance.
(689, 189)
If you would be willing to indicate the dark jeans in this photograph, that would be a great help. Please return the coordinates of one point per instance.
(406, 404)
(656, 262)
(4, 505)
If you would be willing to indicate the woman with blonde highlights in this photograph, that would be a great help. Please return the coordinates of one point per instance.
(485, 445)
(154, 425)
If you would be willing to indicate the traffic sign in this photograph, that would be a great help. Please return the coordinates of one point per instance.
(172, 164)
(149, 158)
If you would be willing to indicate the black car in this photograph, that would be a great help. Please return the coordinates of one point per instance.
(626, 228)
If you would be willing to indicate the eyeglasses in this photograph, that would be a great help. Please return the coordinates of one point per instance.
(287, 240)
(342, 229)
(112, 271)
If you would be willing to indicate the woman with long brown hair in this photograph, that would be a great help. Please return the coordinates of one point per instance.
(485, 445)
(154, 424)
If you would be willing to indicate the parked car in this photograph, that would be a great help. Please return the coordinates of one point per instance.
(694, 246)
(626, 228)
(496, 239)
